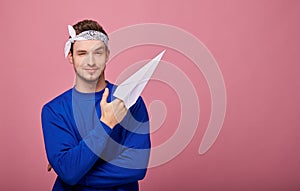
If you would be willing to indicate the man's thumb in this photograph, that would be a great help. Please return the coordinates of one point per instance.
(104, 96)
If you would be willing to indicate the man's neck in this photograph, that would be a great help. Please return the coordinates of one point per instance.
(90, 87)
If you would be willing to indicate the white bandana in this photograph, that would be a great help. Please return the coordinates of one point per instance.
(85, 35)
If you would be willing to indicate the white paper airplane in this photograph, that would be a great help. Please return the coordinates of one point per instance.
(130, 89)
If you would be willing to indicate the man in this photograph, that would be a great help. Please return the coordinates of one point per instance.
(92, 141)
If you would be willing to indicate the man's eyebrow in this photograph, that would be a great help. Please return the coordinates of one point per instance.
(99, 48)
(81, 50)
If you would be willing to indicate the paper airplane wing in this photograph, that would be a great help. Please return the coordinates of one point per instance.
(130, 90)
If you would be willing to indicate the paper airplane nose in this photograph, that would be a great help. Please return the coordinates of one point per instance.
(131, 88)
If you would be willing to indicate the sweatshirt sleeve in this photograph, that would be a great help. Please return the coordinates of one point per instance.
(70, 159)
(130, 165)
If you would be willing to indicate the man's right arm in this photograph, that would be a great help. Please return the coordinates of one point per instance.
(71, 159)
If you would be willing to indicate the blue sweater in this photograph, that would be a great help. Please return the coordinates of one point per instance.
(85, 153)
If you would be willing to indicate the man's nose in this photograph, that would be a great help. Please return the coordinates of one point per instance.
(91, 60)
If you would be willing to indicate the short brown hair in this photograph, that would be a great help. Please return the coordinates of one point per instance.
(86, 25)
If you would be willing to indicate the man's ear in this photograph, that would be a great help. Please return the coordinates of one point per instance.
(70, 57)
(107, 54)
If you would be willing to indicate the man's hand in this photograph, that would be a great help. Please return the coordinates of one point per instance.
(113, 112)
(49, 167)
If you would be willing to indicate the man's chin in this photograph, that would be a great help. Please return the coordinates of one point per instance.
(90, 79)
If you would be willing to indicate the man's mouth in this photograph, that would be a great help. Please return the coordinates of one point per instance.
(91, 70)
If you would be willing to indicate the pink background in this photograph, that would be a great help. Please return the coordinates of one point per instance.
(256, 44)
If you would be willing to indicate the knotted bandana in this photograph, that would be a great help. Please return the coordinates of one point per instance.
(85, 35)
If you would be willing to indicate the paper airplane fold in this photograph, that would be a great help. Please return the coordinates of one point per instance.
(130, 89)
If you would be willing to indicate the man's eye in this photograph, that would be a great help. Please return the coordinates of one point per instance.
(81, 54)
(99, 52)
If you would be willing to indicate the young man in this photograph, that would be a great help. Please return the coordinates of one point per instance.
(92, 141)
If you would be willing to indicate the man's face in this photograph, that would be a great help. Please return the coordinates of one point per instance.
(89, 59)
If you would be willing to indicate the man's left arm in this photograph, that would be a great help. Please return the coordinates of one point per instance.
(130, 164)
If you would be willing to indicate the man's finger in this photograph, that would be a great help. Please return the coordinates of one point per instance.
(119, 102)
(104, 96)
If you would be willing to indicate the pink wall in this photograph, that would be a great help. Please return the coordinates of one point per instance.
(255, 43)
